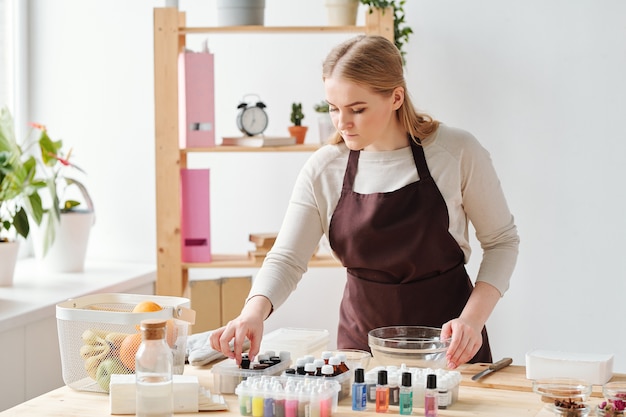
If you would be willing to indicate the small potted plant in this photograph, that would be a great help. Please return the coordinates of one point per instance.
(61, 241)
(324, 122)
(297, 130)
(19, 198)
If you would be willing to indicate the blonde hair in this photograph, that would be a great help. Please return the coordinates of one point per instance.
(375, 63)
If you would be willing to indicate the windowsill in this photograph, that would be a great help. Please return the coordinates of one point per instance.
(35, 293)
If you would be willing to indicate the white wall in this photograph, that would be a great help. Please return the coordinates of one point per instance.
(541, 84)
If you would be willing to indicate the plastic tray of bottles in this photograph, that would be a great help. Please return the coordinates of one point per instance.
(344, 382)
(227, 374)
(447, 384)
(287, 396)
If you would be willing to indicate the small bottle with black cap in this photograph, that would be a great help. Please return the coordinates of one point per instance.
(430, 396)
(359, 390)
(382, 392)
(406, 395)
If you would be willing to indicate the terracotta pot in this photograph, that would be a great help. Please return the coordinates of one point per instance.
(298, 132)
(8, 259)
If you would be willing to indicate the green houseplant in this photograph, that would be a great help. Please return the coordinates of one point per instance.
(401, 31)
(19, 197)
(61, 239)
(297, 130)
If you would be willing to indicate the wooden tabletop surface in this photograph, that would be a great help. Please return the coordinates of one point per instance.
(506, 393)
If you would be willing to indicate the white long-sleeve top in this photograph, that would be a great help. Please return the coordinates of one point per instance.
(463, 172)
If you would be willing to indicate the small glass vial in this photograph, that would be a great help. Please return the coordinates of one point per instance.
(382, 392)
(309, 369)
(430, 396)
(327, 371)
(300, 362)
(335, 362)
(153, 369)
(359, 390)
(343, 367)
(318, 366)
(394, 387)
(406, 395)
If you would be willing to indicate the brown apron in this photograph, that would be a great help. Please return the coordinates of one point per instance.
(403, 266)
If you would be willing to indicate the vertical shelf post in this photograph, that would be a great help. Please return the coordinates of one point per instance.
(380, 22)
(171, 278)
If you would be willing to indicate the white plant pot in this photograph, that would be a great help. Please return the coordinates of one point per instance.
(326, 128)
(8, 259)
(240, 12)
(67, 253)
(342, 12)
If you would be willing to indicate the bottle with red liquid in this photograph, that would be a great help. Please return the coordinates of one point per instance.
(382, 392)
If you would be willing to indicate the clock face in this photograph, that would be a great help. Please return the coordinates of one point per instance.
(253, 121)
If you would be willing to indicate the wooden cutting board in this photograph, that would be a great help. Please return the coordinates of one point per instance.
(511, 378)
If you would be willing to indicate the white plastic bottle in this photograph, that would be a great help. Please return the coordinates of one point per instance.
(153, 369)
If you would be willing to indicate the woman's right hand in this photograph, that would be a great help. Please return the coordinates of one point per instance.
(249, 325)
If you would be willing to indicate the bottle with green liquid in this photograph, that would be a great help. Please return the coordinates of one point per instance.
(406, 395)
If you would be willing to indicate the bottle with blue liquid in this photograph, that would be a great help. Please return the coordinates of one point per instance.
(359, 390)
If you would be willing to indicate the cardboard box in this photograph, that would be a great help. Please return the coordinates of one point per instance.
(217, 301)
(234, 293)
(205, 296)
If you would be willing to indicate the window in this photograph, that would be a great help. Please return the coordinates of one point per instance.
(14, 60)
(6, 59)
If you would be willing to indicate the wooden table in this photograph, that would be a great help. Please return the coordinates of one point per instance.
(506, 393)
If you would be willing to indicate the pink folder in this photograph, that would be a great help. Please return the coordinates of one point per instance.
(196, 101)
(195, 211)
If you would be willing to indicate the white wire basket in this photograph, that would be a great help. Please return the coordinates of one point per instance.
(99, 335)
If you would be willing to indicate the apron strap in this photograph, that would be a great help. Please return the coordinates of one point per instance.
(353, 164)
(419, 158)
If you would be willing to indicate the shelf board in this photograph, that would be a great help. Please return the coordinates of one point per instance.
(220, 148)
(244, 261)
(272, 29)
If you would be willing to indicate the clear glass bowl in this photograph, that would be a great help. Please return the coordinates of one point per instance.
(355, 358)
(415, 346)
(601, 412)
(563, 389)
(569, 390)
(614, 390)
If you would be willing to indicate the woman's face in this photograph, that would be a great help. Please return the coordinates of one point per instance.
(364, 119)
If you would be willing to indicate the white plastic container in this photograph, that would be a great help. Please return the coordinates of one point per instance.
(595, 368)
(227, 374)
(299, 342)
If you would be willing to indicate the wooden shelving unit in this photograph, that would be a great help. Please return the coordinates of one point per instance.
(169, 40)
(244, 261)
(219, 148)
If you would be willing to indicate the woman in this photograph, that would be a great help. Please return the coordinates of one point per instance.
(394, 193)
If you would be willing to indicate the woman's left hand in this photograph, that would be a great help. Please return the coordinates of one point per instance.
(466, 340)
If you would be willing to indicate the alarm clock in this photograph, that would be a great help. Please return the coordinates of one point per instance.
(252, 118)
